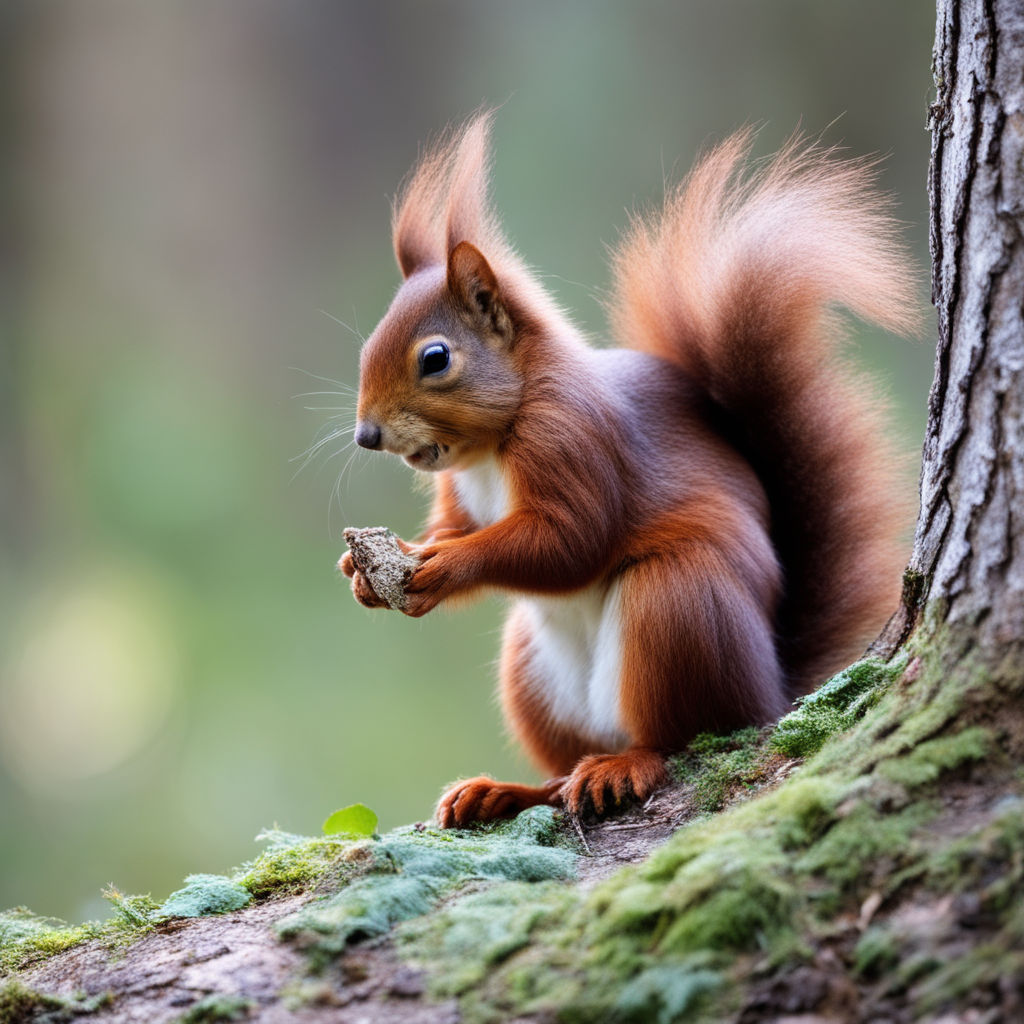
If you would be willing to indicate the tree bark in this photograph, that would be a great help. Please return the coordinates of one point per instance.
(967, 566)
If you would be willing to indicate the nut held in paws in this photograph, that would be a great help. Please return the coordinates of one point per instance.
(385, 565)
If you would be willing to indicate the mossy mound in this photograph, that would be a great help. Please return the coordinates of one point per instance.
(891, 860)
(840, 857)
(205, 894)
(836, 705)
(358, 886)
(718, 766)
(404, 874)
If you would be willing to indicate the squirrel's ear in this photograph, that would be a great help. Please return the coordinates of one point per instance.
(475, 288)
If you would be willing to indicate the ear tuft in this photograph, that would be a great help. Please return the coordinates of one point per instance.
(473, 285)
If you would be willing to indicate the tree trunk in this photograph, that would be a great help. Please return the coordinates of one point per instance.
(967, 567)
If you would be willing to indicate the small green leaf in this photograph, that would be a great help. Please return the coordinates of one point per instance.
(355, 820)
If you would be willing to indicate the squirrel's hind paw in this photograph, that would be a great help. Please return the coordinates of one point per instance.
(601, 783)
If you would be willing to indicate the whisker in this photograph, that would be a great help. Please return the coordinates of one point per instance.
(318, 443)
(317, 376)
(310, 453)
(352, 330)
(348, 393)
(336, 490)
(340, 451)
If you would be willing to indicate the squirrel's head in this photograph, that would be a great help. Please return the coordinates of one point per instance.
(437, 381)
(441, 377)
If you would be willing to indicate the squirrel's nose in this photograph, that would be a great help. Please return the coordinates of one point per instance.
(367, 434)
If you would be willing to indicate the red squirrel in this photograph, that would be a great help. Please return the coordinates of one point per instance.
(696, 527)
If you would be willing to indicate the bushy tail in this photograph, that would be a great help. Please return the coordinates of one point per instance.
(737, 280)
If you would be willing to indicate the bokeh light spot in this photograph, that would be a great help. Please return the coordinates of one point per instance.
(93, 683)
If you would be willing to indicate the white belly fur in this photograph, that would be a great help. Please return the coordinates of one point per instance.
(576, 660)
(483, 492)
(575, 648)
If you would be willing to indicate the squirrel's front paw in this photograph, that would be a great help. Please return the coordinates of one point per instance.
(483, 799)
(429, 585)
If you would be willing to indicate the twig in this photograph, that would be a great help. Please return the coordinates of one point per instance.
(579, 831)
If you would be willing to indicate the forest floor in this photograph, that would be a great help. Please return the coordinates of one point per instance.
(862, 861)
(234, 965)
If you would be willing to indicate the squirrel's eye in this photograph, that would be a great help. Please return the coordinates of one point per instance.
(434, 359)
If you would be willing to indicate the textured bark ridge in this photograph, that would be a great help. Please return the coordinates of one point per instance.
(967, 556)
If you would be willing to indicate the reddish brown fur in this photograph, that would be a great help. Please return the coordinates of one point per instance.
(731, 484)
(483, 799)
(731, 282)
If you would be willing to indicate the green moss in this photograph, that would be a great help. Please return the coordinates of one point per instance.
(835, 706)
(406, 872)
(718, 765)
(479, 930)
(292, 863)
(205, 894)
(22, 1005)
(746, 914)
(865, 847)
(26, 937)
(932, 758)
(216, 1008)
(289, 870)
(19, 1005)
(660, 995)
(877, 953)
(805, 808)
(134, 913)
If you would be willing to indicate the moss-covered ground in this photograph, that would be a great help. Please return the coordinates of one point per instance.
(357, 887)
(887, 871)
(858, 867)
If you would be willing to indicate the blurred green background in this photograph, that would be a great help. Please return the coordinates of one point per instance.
(184, 188)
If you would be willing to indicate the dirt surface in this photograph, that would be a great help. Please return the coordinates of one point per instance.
(630, 837)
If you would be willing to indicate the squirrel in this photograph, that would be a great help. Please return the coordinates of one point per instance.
(698, 526)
